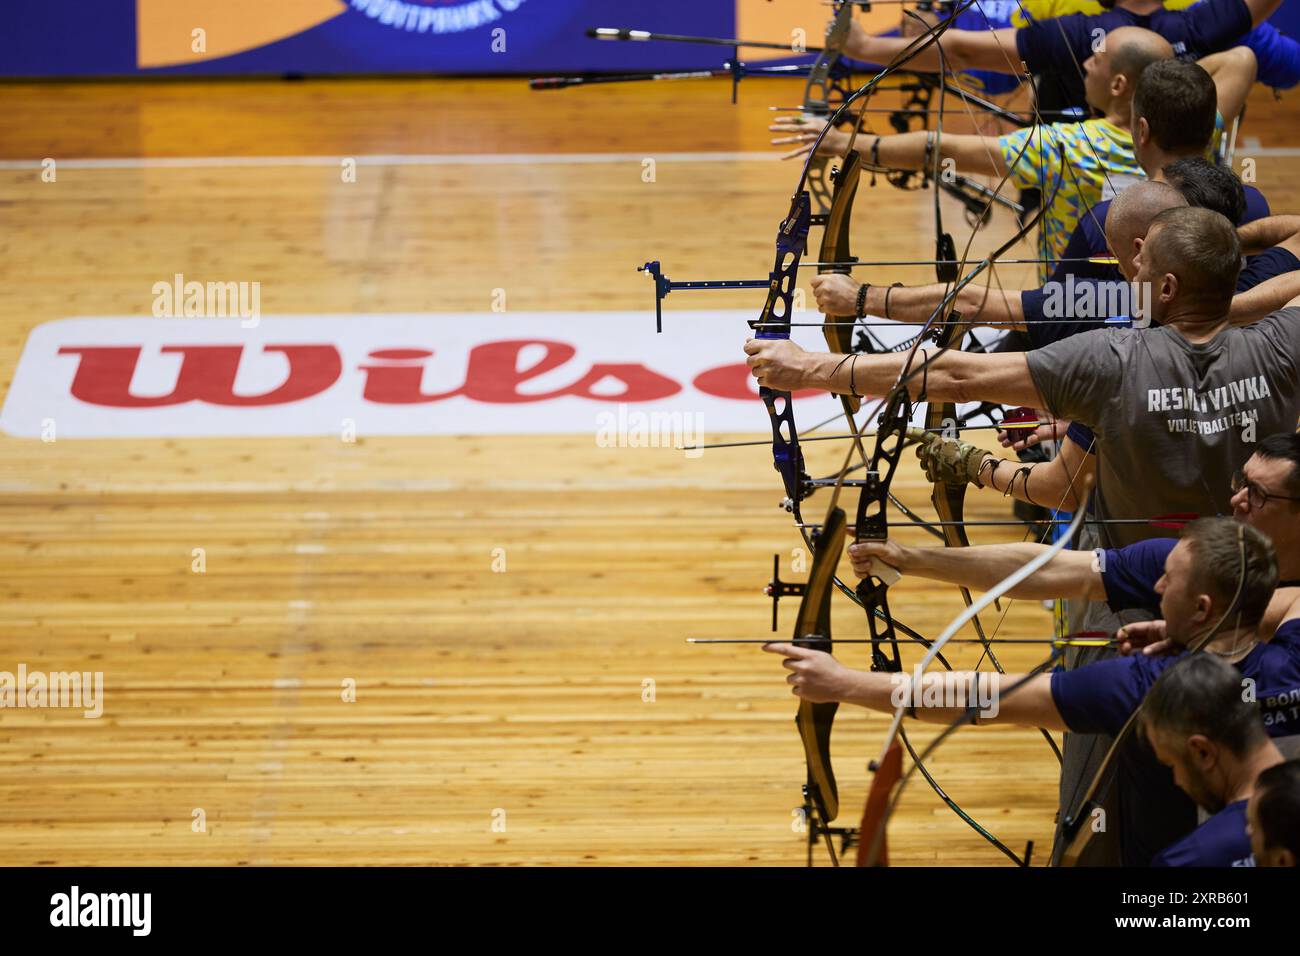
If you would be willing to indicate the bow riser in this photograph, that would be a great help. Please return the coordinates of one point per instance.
(774, 323)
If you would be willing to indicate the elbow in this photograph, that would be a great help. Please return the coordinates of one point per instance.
(955, 384)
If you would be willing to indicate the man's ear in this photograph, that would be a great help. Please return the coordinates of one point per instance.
(1204, 603)
(1202, 751)
(1141, 131)
(1168, 290)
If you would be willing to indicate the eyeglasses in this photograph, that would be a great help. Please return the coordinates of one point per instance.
(1256, 495)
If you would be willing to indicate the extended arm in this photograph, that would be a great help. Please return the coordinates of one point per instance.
(1270, 231)
(969, 153)
(1233, 72)
(1265, 298)
(1070, 574)
(977, 155)
(837, 294)
(952, 376)
(818, 677)
(1056, 484)
(993, 50)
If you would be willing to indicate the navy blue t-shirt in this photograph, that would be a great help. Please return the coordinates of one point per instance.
(1043, 307)
(1099, 698)
(1274, 261)
(1199, 30)
(1219, 841)
(1082, 436)
(1089, 239)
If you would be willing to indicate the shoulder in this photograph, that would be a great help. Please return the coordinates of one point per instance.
(1219, 841)
(1288, 633)
(1285, 321)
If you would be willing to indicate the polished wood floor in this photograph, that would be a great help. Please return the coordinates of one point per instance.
(500, 718)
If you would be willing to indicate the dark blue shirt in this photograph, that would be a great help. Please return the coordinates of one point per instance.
(1099, 698)
(1219, 841)
(1048, 46)
(1089, 239)
(1278, 55)
(1082, 436)
(1051, 312)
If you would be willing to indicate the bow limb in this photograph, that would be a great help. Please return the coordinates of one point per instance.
(817, 95)
(838, 329)
(1002, 587)
(814, 622)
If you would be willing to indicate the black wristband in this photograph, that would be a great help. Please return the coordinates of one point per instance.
(861, 311)
(887, 291)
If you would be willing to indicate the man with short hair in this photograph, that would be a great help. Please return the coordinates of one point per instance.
(1173, 119)
(1208, 597)
(1202, 725)
(1266, 496)
(1182, 126)
(1273, 816)
(1171, 406)
(1075, 165)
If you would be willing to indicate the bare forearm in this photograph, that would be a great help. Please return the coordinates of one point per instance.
(972, 154)
(882, 50)
(1047, 483)
(993, 50)
(1271, 231)
(952, 376)
(1029, 705)
(915, 304)
(1068, 574)
(1269, 296)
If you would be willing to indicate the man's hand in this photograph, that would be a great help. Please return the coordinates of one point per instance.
(815, 676)
(776, 363)
(880, 559)
(949, 460)
(1018, 439)
(836, 293)
(1147, 637)
(804, 130)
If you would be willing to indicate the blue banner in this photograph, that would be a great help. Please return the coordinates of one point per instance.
(79, 38)
(74, 38)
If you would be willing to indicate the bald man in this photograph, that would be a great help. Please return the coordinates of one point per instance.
(1074, 165)
(1171, 405)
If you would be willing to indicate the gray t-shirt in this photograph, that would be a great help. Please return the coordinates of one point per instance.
(1173, 420)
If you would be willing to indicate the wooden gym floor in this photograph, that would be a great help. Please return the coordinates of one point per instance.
(481, 697)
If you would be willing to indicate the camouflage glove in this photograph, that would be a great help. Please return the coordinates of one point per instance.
(949, 460)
